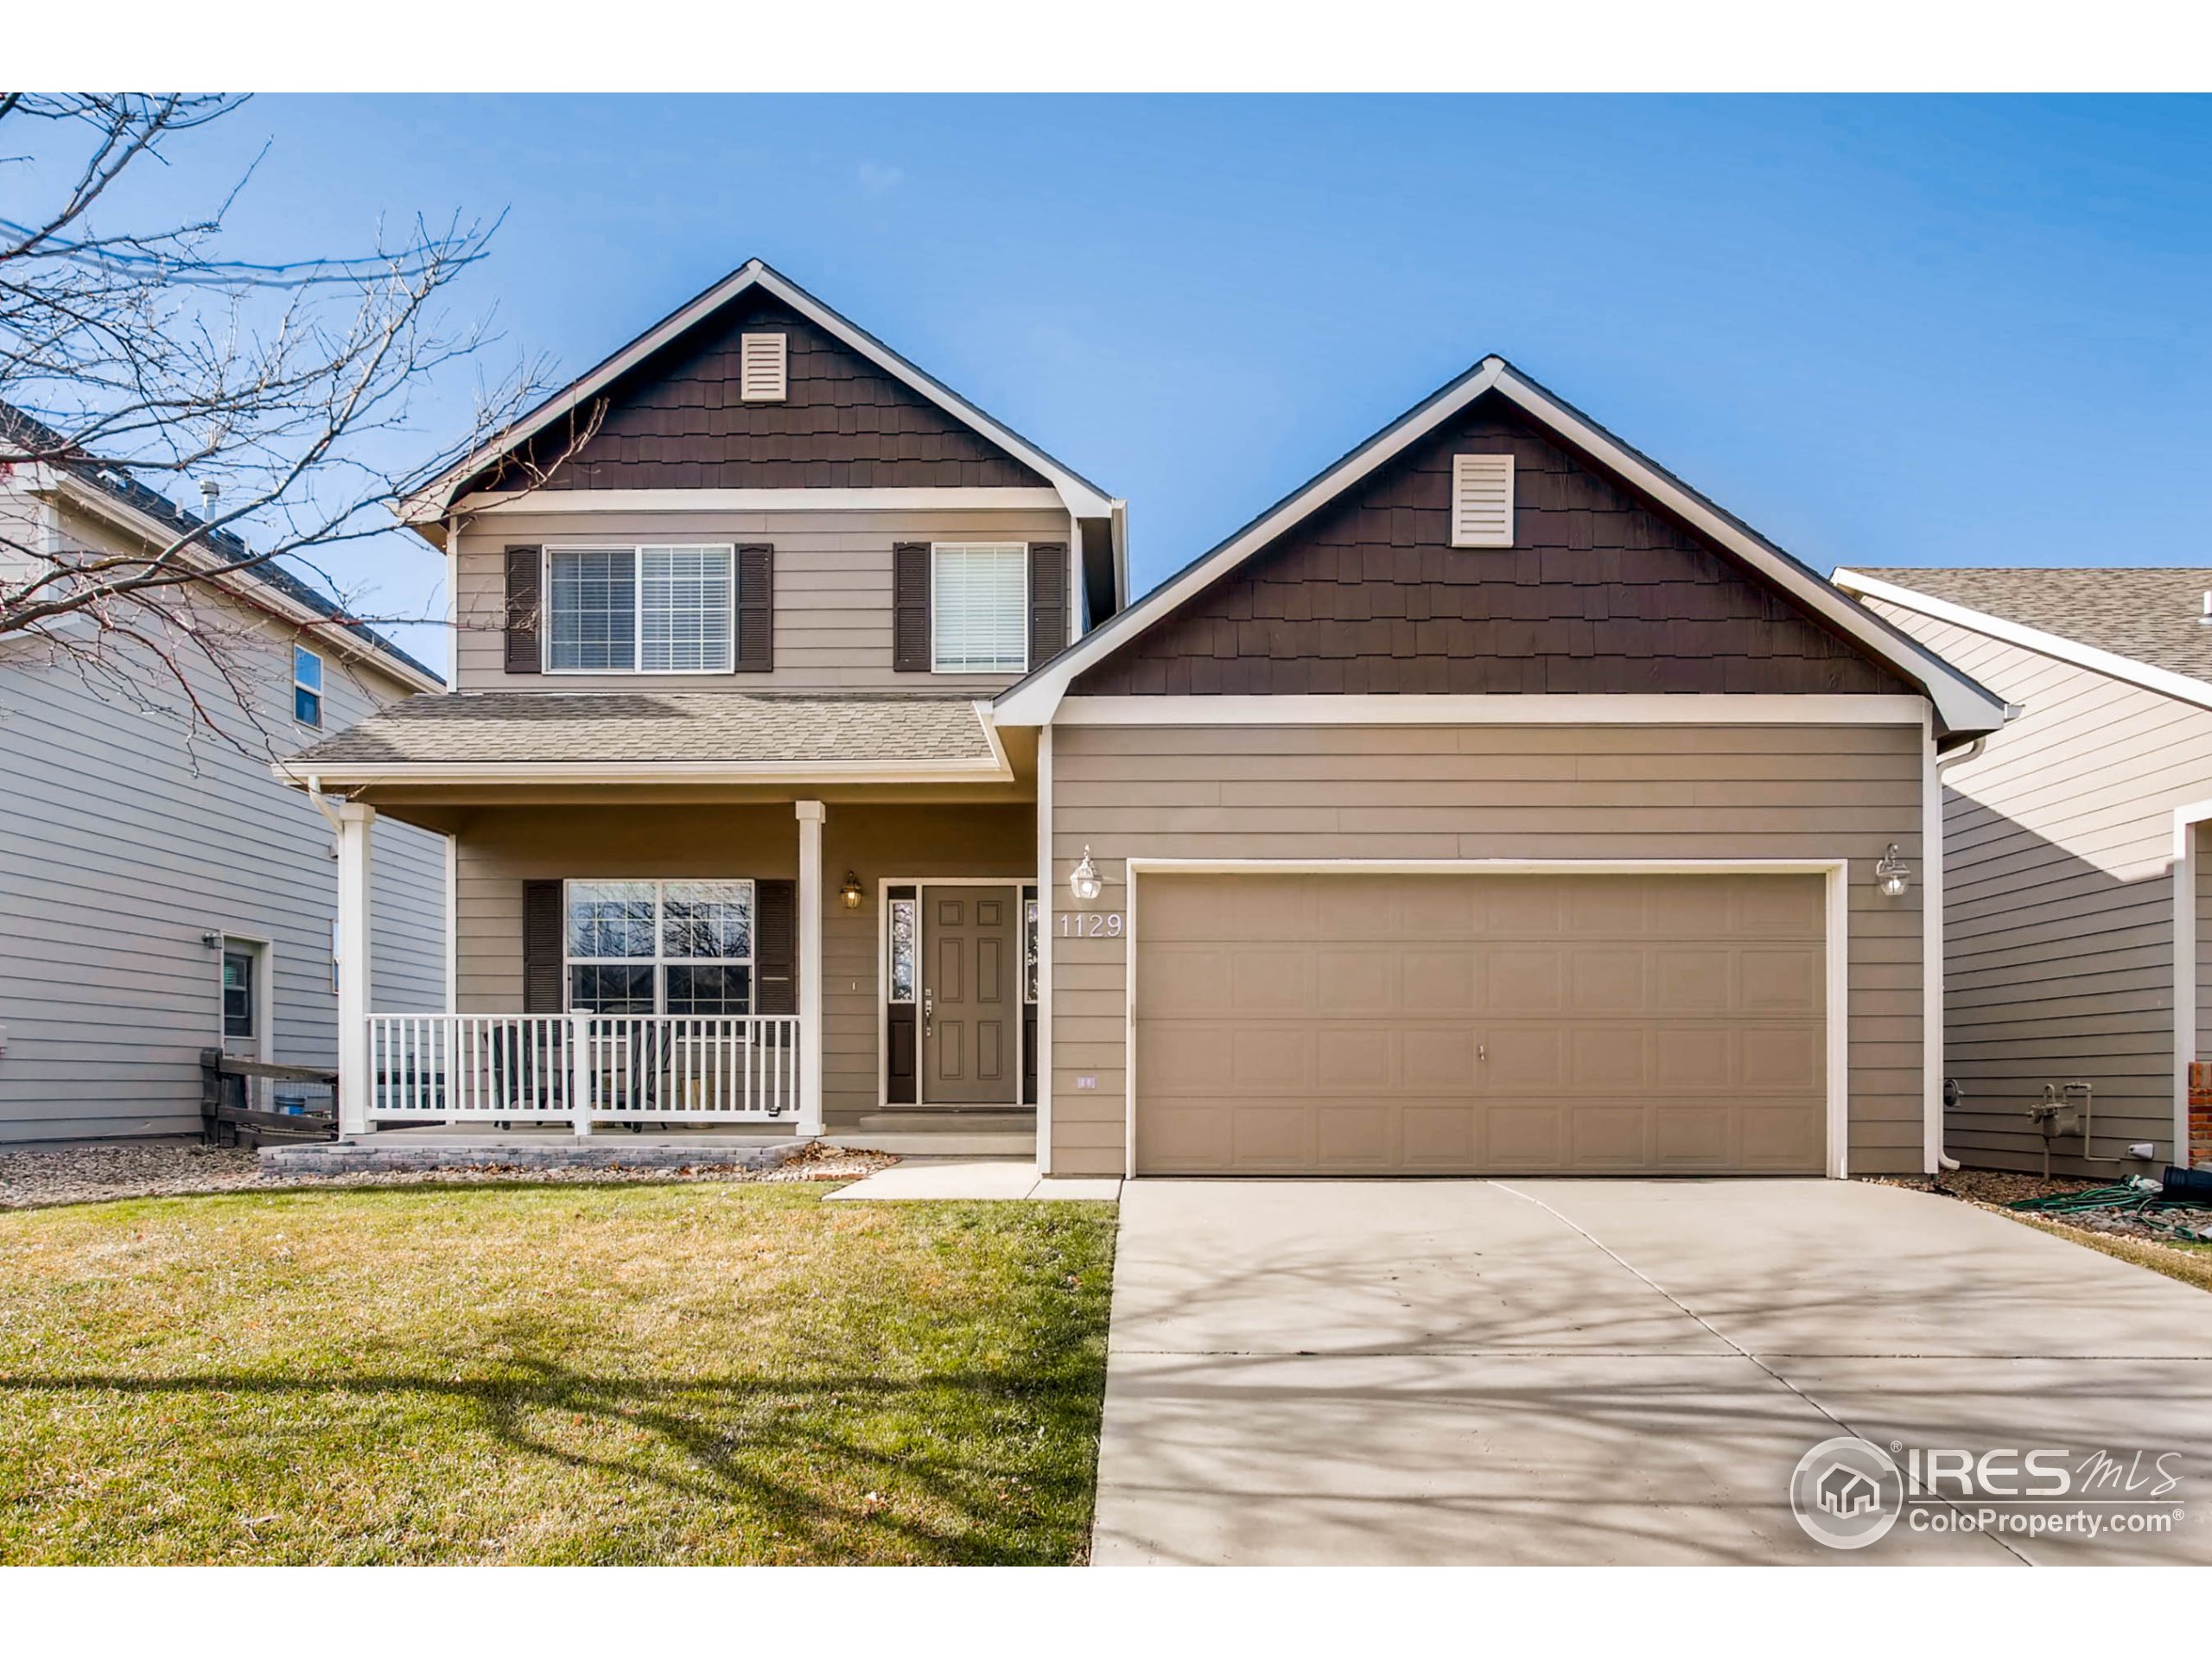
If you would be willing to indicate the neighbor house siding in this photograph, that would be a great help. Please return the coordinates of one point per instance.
(1490, 792)
(129, 834)
(832, 598)
(2059, 901)
(499, 849)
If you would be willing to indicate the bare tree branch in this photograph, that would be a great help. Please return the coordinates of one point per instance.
(134, 355)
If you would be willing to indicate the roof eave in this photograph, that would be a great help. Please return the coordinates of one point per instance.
(2132, 670)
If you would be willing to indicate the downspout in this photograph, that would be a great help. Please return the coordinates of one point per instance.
(1943, 1160)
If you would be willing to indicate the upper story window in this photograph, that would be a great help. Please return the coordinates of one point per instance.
(307, 686)
(979, 607)
(648, 610)
(762, 361)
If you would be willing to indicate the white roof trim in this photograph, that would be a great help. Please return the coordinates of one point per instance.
(2185, 687)
(1960, 703)
(241, 584)
(434, 501)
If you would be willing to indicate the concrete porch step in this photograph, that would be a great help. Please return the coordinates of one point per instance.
(944, 1132)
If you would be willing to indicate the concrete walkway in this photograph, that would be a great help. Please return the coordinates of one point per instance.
(1602, 1371)
(970, 1178)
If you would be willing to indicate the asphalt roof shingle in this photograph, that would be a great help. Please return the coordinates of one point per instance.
(2153, 614)
(615, 727)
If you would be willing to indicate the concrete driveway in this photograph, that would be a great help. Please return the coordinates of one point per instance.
(1615, 1371)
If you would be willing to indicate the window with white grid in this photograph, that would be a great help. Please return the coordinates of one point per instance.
(659, 610)
(979, 607)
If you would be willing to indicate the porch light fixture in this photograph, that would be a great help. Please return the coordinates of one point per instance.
(1893, 873)
(850, 892)
(1084, 881)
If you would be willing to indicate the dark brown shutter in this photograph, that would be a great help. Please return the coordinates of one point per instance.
(543, 991)
(756, 608)
(910, 608)
(524, 603)
(1048, 599)
(775, 947)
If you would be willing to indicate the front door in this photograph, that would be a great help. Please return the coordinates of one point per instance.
(971, 996)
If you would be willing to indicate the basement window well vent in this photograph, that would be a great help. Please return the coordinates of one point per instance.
(1482, 501)
(760, 368)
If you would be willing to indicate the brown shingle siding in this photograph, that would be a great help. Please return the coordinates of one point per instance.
(1600, 594)
(676, 423)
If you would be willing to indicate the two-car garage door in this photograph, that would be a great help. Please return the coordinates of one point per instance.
(1303, 1023)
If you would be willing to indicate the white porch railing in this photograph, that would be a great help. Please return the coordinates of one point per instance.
(663, 1068)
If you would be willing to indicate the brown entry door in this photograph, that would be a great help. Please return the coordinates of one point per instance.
(971, 996)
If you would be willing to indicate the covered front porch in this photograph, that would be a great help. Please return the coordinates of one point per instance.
(710, 958)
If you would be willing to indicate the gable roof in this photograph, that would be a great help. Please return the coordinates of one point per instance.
(2144, 624)
(1961, 706)
(1084, 498)
(151, 514)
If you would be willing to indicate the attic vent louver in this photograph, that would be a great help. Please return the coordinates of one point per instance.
(1482, 501)
(760, 368)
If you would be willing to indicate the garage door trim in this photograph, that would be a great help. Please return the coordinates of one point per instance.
(1838, 989)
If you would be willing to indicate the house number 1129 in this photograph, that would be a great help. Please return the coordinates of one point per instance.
(1090, 924)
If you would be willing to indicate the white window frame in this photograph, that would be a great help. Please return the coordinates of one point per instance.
(316, 690)
(660, 961)
(937, 667)
(637, 550)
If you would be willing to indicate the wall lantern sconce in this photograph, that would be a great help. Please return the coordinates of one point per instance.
(211, 939)
(1893, 873)
(850, 892)
(1084, 881)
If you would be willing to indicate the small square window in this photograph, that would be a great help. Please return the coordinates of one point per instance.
(307, 686)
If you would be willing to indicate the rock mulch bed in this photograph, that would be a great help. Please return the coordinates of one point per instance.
(94, 1174)
(2168, 1230)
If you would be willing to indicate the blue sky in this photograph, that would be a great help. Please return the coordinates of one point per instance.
(1886, 331)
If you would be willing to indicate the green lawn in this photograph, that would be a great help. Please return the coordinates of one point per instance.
(681, 1373)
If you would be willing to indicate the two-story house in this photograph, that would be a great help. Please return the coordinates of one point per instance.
(161, 894)
(1493, 802)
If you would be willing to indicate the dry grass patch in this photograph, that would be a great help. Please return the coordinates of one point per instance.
(702, 1373)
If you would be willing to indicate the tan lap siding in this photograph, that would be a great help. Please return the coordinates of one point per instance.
(498, 850)
(1490, 792)
(832, 601)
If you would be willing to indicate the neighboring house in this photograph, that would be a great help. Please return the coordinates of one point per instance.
(162, 894)
(2075, 914)
(1494, 802)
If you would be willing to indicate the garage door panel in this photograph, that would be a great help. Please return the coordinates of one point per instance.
(1782, 982)
(1438, 982)
(1447, 1025)
(1524, 979)
(1357, 981)
(1608, 1139)
(1272, 981)
(1611, 980)
(1612, 1058)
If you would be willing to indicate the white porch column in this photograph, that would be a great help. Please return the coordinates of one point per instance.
(354, 820)
(809, 966)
